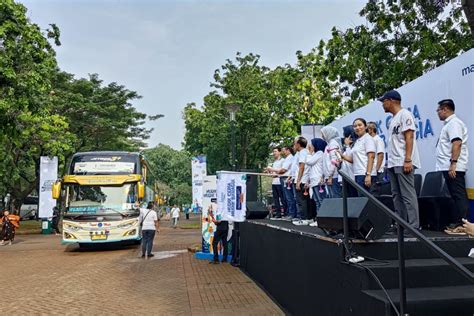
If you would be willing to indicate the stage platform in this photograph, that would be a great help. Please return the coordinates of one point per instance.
(302, 268)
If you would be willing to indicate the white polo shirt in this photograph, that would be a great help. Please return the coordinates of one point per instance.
(396, 148)
(379, 148)
(362, 147)
(301, 158)
(277, 164)
(453, 129)
(288, 165)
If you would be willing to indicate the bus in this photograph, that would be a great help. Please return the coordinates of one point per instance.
(100, 197)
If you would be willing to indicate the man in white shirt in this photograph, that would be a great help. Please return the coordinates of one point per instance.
(279, 201)
(403, 158)
(175, 215)
(379, 157)
(452, 157)
(299, 182)
(148, 222)
(285, 172)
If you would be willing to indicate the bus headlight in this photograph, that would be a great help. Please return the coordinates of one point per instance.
(130, 233)
(71, 227)
(127, 224)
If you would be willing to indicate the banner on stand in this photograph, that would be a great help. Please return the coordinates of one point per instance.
(208, 228)
(198, 170)
(231, 196)
(48, 175)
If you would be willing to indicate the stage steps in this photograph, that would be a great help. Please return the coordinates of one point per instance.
(433, 286)
(433, 301)
(419, 273)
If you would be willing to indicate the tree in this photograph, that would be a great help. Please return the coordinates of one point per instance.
(172, 169)
(400, 42)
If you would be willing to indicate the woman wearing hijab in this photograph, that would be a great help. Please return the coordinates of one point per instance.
(316, 178)
(331, 161)
(349, 138)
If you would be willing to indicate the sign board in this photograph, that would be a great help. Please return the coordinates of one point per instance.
(207, 227)
(453, 80)
(104, 167)
(231, 196)
(48, 175)
(198, 171)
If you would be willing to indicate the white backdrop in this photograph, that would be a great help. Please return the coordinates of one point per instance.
(48, 175)
(453, 80)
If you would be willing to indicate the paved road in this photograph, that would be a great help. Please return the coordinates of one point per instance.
(40, 276)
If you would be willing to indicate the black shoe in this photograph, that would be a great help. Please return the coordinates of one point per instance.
(143, 256)
(213, 262)
(151, 255)
(234, 264)
(224, 261)
(392, 231)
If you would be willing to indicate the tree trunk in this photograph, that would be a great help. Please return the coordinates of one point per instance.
(468, 6)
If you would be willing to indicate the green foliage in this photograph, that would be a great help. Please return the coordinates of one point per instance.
(400, 41)
(45, 112)
(172, 169)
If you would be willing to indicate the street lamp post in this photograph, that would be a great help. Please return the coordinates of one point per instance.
(233, 108)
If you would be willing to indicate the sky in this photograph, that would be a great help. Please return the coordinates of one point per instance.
(167, 50)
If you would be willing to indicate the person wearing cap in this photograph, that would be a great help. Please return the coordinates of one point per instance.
(403, 158)
(451, 159)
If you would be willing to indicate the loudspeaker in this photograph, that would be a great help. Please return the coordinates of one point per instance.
(256, 210)
(365, 220)
(252, 188)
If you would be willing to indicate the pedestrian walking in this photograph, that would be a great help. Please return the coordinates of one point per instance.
(149, 225)
(175, 215)
(9, 223)
(55, 221)
(403, 158)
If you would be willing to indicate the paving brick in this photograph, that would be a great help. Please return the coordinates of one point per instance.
(47, 278)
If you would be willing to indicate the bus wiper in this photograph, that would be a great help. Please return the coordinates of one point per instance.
(111, 209)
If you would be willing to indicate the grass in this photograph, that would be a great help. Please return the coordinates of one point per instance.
(190, 225)
(29, 227)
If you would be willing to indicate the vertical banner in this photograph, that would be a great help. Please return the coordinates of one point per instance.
(207, 227)
(48, 175)
(198, 170)
(231, 196)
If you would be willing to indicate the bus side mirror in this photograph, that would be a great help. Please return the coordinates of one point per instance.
(141, 190)
(56, 192)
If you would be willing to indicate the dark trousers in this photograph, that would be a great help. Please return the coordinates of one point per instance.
(55, 227)
(361, 181)
(220, 235)
(147, 241)
(301, 202)
(277, 193)
(289, 197)
(457, 189)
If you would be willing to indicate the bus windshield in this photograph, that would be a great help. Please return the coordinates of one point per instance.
(100, 200)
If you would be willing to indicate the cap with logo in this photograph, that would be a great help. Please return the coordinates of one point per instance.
(390, 95)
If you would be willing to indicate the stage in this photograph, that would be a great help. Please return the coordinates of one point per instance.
(302, 268)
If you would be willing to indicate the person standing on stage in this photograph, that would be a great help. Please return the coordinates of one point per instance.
(379, 156)
(279, 201)
(285, 174)
(403, 158)
(349, 138)
(362, 155)
(314, 161)
(299, 181)
(331, 160)
(451, 158)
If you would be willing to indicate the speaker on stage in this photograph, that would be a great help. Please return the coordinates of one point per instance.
(252, 187)
(365, 220)
(256, 210)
